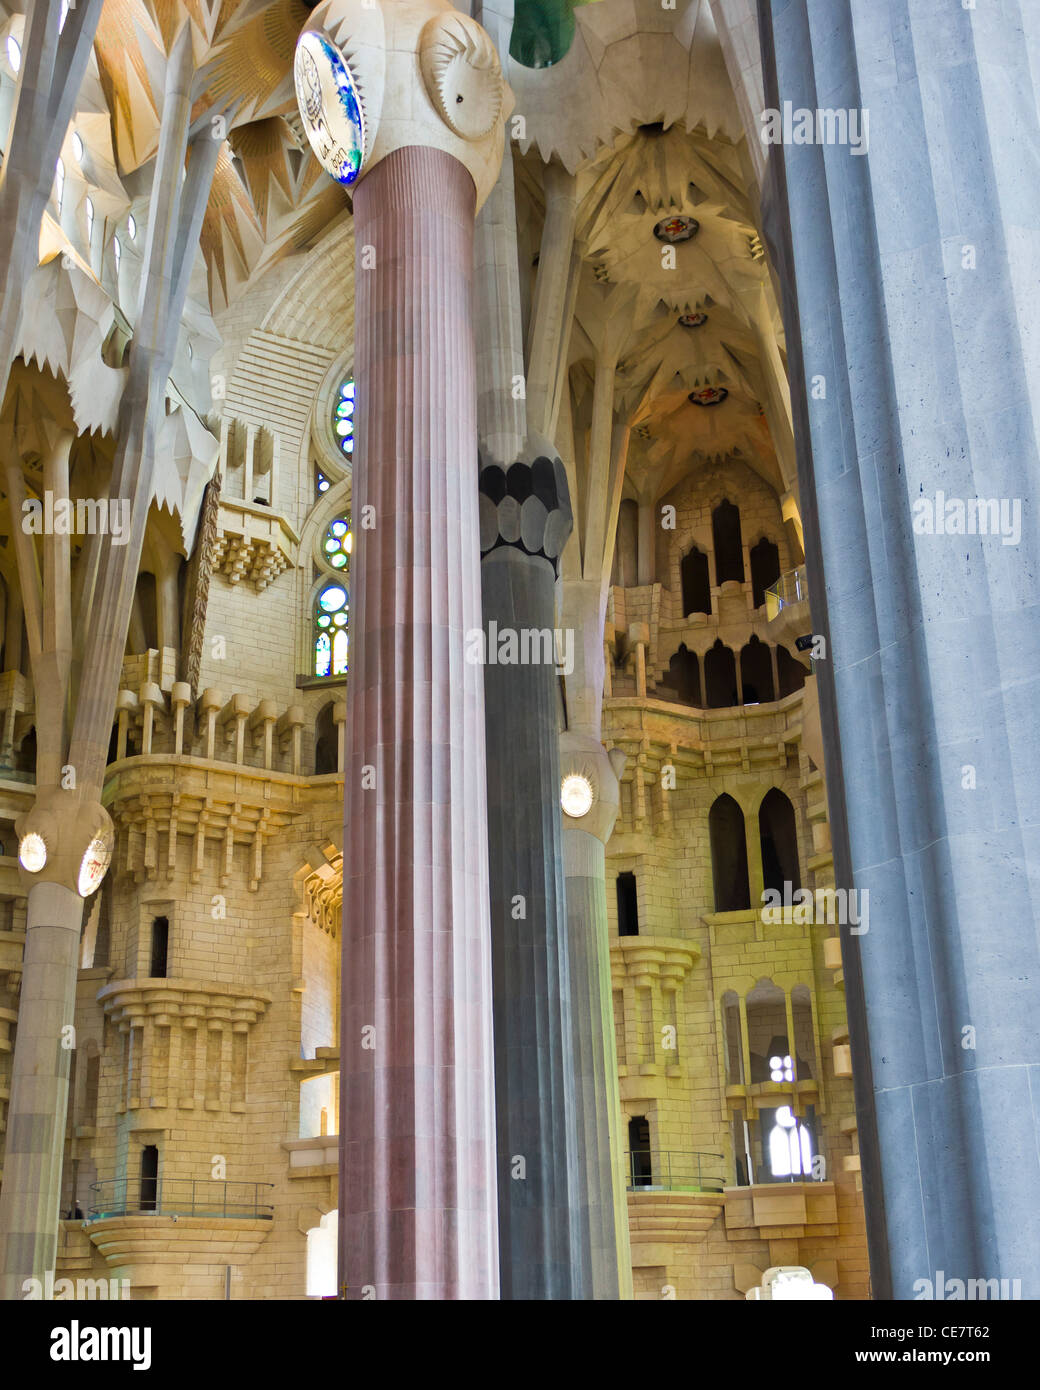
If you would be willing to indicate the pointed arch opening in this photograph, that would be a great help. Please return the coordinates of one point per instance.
(778, 838)
(756, 673)
(696, 583)
(729, 547)
(720, 677)
(684, 677)
(729, 861)
(765, 569)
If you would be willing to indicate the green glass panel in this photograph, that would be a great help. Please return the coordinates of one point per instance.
(543, 31)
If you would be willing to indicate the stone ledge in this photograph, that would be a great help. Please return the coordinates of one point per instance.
(129, 1002)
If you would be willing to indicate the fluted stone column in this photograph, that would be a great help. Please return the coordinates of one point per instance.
(525, 520)
(600, 1142)
(417, 1152)
(913, 291)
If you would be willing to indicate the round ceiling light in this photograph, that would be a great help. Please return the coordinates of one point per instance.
(93, 866)
(32, 852)
(576, 795)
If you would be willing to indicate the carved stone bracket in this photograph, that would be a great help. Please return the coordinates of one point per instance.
(252, 543)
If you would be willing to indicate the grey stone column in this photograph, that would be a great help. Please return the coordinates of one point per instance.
(601, 1200)
(35, 1143)
(912, 275)
(525, 521)
(534, 1064)
(417, 1148)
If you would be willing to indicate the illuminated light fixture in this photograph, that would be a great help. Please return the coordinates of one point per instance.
(117, 251)
(90, 219)
(93, 866)
(781, 1069)
(789, 1284)
(32, 852)
(77, 147)
(14, 52)
(576, 795)
(131, 227)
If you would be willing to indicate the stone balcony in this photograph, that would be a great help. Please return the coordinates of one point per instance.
(185, 1042)
(698, 742)
(781, 1211)
(177, 1238)
(649, 970)
(252, 542)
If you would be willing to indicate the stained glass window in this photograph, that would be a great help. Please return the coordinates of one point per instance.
(331, 612)
(332, 608)
(321, 482)
(338, 543)
(343, 418)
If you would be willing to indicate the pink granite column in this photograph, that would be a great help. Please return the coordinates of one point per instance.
(417, 1146)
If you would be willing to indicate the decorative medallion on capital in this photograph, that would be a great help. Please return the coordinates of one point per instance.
(374, 76)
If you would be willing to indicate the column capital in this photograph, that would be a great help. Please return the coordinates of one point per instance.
(66, 838)
(584, 758)
(374, 76)
(526, 504)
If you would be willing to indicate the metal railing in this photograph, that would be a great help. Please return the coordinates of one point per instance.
(673, 1170)
(792, 587)
(179, 1197)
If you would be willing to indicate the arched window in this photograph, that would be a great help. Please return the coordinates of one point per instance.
(696, 586)
(790, 1146)
(790, 672)
(729, 866)
(778, 837)
(729, 549)
(326, 743)
(756, 673)
(332, 605)
(765, 570)
(331, 613)
(343, 418)
(684, 676)
(720, 677)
